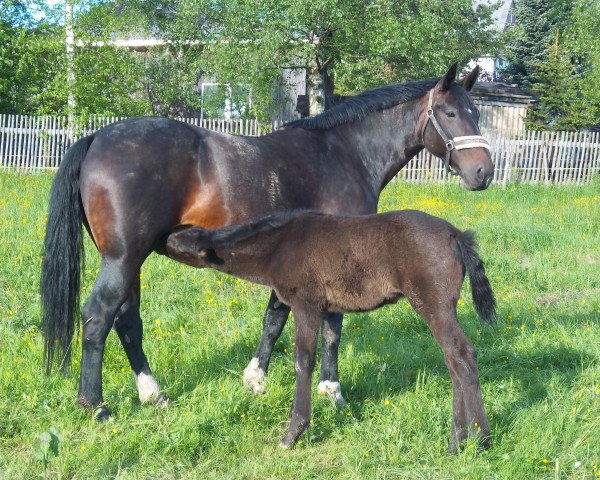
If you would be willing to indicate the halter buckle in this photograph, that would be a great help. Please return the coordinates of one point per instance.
(449, 145)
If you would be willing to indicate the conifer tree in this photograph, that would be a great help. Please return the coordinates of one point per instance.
(560, 105)
(528, 39)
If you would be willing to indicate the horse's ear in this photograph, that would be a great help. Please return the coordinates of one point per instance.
(444, 84)
(470, 79)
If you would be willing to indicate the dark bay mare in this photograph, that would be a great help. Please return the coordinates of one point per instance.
(319, 263)
(132, 182)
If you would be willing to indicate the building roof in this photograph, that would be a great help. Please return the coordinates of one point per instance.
(500, 93)
(502, 15)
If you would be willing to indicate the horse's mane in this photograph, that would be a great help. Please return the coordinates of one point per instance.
(232, 234)
(361, 105)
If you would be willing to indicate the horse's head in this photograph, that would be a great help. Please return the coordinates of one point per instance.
(191, 246)
(449, 130)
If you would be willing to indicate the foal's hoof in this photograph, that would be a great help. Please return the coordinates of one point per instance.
(484, 442)
(332, 390)
(254, 377)
(288, 442)
(286, 445)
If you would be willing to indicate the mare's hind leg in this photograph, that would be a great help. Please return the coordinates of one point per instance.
(328, 380)
(274, 320)
(468, 412)
(128, 326)
(109, 293)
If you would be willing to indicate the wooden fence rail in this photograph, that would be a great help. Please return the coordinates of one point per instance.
(30, 144)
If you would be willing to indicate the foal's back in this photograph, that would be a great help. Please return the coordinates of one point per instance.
(361, 263)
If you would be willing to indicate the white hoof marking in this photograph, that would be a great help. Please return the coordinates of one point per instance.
(333, 390)
(254, 377)
(149, 390)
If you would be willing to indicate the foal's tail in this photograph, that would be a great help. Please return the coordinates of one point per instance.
(62, 260)
(483, 297)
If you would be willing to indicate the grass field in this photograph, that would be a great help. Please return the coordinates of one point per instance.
(540, 364)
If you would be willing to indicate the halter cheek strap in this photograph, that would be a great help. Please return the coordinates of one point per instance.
(456, 143)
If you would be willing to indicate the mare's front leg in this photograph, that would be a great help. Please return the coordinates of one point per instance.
(274, 320)
(110, 292)
(329, 383)
(128, 326)
(307, 323)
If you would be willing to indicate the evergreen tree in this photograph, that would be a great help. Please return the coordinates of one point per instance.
(560, 105)
(527, 40)
(582, 36)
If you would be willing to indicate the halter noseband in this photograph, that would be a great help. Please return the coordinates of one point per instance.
(456, 143)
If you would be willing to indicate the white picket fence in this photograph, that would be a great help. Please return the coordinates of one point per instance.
(34, 143)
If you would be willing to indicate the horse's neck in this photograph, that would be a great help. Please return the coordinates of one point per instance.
(383, 142)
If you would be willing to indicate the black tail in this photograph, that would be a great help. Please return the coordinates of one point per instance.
(483, 297)
(63, 256)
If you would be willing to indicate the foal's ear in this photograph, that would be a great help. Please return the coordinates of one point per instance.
(444, 84)
(209, 256)
(470, 79)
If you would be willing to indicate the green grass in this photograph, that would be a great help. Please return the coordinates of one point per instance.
(540, 365)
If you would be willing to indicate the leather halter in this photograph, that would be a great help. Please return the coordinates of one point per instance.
(456, 143)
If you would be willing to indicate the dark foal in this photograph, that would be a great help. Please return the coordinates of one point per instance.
(320, 263)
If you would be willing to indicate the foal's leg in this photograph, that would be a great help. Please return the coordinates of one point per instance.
(307, 330)
(460, 357)
(328, 380)
(109, 293)
(274, 320)
(128, 326)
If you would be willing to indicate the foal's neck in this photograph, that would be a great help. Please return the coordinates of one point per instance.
(248, 257)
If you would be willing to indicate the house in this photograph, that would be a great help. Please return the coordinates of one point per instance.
(491, 67)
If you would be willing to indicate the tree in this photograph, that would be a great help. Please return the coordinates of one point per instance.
(527, 40)
(582, 37)
(560, 106)
(352, 44)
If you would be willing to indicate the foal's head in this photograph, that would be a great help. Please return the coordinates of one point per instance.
(449, 130)
(192, 246)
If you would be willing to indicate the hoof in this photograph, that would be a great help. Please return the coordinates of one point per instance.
(254, 377)
(483, 443)
(149, 390)
(161, 400)
(102, 413)
(333, 390)
(286, 445)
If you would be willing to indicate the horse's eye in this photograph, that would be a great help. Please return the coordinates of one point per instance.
(451, 114)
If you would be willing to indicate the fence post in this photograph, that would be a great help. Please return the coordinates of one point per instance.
(507, 165)
(3, 119)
